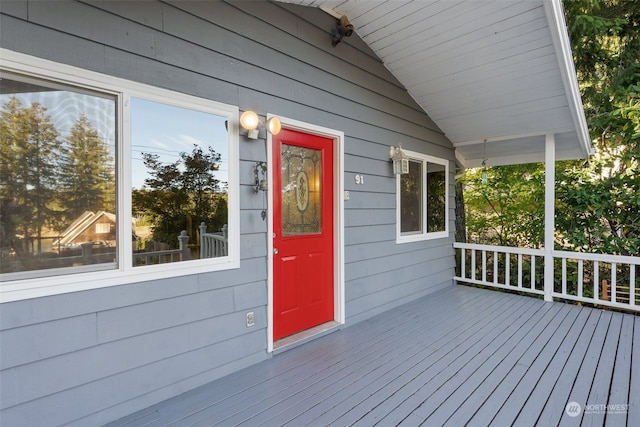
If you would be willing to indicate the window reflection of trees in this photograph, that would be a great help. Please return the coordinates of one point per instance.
(58, 187)
(57, 174)
(180, 180)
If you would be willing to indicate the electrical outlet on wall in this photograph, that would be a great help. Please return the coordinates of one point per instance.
(251, 319)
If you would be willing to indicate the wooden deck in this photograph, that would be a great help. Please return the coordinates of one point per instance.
(462, 356)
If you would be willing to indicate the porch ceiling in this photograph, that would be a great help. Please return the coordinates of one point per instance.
(494, 71)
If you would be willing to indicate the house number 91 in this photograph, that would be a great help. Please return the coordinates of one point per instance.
(359, 179)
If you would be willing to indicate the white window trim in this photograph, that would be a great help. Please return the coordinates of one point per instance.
(125, 273)
(423, 235)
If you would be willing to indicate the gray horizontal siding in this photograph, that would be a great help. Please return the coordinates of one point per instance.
(89, 357)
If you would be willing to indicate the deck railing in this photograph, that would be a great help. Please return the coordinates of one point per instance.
(604, 280)
(213, 244)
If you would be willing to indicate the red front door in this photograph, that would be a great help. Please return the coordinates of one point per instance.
(303, 232)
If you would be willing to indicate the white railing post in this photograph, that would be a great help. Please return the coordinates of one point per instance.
(203, 240)
(632, 285)
(183, 243)
(549, 213)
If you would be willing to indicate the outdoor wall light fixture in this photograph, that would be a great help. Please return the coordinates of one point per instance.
(250, 121)
(400, 160)
(344, 28)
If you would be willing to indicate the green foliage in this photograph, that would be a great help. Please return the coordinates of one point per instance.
(507, 209)
(597, 200)
(181, 195)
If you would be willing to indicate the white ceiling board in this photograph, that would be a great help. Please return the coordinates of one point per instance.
(482, 69)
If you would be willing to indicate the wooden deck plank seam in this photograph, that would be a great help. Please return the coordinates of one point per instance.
(508, 370)
(633, 415)
(364, 385)
(552, 412)
(521, 392)
(375, 354)
(531, 328)
(540, 394)
(234, 381)
(410, 392)
(303, 358)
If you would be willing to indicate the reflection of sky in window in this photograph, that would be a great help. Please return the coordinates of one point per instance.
(156, 128)
(65, 108)
(167, 131)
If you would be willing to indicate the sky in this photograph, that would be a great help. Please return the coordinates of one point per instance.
(167, 131)
(155, 128)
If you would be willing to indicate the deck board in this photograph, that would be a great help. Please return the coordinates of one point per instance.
(622, 372)
(461, 356)
(371, 394)
(365, 350)
(600, 387)
(499, 383)
(501, 344)
(536, 361)
(420, 370)
(553, 412)
(549, 379)
(634, 388)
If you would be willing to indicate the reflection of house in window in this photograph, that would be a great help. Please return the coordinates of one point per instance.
(89, 227)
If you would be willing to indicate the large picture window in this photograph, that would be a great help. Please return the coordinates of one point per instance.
(57, 176)
(102, 177)
(422, 199)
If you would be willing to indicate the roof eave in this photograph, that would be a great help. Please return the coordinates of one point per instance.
(558, 27)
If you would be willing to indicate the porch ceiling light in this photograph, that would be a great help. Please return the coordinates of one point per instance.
(400, 160)
(250, 121)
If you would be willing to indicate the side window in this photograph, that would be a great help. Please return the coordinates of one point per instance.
(422, 199)
(107, 176)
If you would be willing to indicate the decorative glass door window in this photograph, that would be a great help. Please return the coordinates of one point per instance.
(301, 191)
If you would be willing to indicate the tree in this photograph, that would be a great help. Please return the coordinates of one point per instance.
(30, 147)
(180, 195)
(505, 205)
(599, 199)
(87, 173)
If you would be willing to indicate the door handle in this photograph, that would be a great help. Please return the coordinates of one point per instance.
(275, 250)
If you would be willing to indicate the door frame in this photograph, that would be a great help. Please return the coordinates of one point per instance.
(338, 219)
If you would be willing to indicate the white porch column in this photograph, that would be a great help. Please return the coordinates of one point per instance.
(549, 212)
